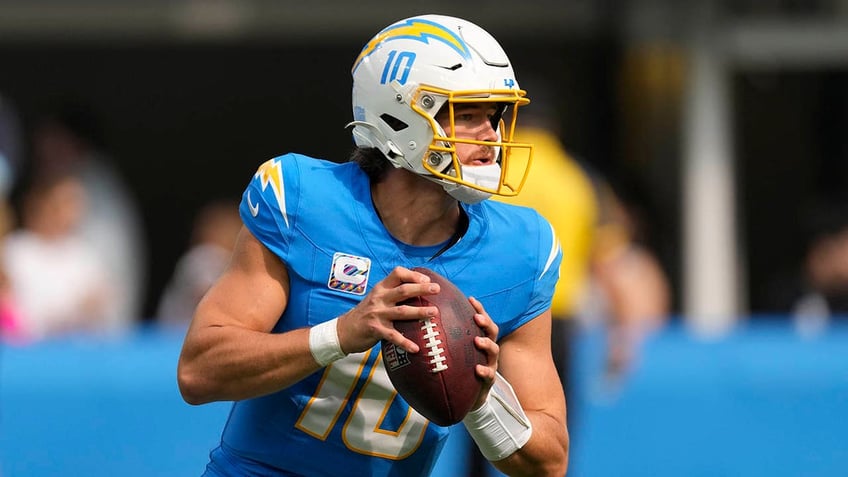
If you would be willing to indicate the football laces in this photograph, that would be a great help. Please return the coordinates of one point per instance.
(432, 344)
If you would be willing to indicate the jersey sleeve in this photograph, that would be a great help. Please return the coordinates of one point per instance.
(550, 256)
(269, 203)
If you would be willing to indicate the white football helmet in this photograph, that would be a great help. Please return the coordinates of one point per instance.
(411, 70)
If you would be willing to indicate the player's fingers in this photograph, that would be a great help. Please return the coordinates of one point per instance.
(398, 339)
(401, 275)
(411, 312)
(486, 373)
(406, 291)
(491, 349)
(483, 319)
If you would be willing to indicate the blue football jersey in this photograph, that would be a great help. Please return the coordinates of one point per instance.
(347, 419)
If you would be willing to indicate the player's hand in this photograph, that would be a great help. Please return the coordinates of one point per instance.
(488, 344)
(371, 320)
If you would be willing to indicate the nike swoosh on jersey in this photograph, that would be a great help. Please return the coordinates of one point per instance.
(254, 209)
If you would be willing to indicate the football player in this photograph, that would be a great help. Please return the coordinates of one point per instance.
(291, 330)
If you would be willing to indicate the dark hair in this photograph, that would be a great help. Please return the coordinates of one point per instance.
(372, 162)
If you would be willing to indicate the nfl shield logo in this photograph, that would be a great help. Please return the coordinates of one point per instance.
(395, 357)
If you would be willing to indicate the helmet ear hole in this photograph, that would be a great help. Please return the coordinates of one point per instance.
(393, 122)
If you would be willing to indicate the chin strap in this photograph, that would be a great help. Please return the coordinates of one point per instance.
(488, 176)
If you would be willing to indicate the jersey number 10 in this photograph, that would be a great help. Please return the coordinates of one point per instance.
(362, 432)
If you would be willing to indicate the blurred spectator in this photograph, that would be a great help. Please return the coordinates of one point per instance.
(11, 327)
(10, 152)
(57, 280)
(213, 237)
(822, 291)
(69, 140)
(628, 290)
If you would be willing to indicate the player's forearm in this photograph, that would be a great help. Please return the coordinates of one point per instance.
(545, 454)
(227, 363)
(532, 442)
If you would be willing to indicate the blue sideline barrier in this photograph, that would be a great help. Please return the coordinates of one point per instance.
(83, 407)
(761, 401)
(758, 402)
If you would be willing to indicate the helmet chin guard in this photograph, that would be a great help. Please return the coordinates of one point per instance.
(486, 177)
(416, 67)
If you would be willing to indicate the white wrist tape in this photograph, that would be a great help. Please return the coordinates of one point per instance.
(499, 426)
(324, 342)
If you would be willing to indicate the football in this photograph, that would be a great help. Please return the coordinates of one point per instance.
(440, 380)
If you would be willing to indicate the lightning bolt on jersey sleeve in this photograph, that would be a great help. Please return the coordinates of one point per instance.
(264, 208)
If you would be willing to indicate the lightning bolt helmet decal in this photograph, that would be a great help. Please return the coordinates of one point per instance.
(415, 29)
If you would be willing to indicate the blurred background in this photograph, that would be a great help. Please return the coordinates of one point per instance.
(716, 128)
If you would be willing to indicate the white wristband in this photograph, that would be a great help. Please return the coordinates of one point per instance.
(324, 342)
(499, 426)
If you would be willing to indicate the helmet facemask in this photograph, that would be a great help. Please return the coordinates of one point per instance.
(472, 184)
